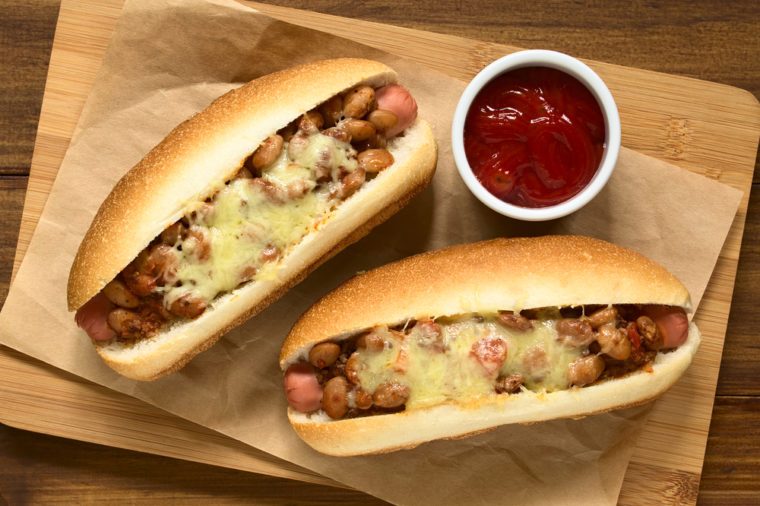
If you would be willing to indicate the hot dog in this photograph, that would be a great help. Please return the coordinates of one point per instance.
(241, 202)
(465, 339)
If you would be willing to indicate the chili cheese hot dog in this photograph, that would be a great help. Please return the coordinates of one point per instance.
(239, 203)
(464, 339)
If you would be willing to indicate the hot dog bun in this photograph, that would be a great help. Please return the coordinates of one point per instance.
(194, 161)
(500, 274)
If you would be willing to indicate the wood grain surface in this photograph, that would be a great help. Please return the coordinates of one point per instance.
(709, 40)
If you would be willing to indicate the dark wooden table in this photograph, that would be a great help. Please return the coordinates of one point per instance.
(713, 40)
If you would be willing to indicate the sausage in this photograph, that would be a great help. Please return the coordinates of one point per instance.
(397, 99)
(302, 388)
(92, 318)
(672, 324)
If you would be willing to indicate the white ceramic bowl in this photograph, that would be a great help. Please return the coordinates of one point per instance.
(569, 65)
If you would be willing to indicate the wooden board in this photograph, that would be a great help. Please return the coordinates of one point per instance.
(704, 127)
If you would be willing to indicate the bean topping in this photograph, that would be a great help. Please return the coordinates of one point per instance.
(118, 293)
(358, 102)
(375, 160)
(574, 333)
(614, 342)
(358, 129)
(585, 370)
(390, 395)
(188, 306)
(370, 341)
(514, 321)
(269, 150)
(335, 397)
(602, 317)
(324, 355)
(648, 331)
(382, 119)
(509, 384)
(362, 398)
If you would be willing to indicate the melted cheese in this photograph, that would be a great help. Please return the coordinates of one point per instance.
(247, 219)
(435, 377)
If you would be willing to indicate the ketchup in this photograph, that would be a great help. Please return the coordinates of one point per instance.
(534, 136)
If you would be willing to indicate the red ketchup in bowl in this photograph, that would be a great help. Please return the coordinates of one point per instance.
(534, 136)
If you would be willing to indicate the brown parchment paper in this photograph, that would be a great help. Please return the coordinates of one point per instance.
(169, 59)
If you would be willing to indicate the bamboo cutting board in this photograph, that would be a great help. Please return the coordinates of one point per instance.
(704, 127)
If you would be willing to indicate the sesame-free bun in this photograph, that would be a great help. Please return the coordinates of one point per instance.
(194, 161)
(502, 274)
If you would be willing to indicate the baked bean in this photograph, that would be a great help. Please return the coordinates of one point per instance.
(337, 133)
(324, 355)
(203, 213)
(514, 321)
(287, 132)
(375, 160)
(188, 306)
(358, 129)
(370, 342)
(352, 369)
(382, 119)
(602, 317)
(297, 145)
(335, 397)
(244, 173)
(429, 334)
(575, 333)
(155, 305)
(585, 370)
(352, 182)
(173, 233)
(311, 122)
(247, 273)
(298, 188)
(509, 384)
(358, 102)
(332, 110)
(154, 266)
(125, 323)
(390, 395)
(362, 398)
(376, 141)
(268, 152)
(648, 332)
(118, 293)
(269, 253)
(490, 352)
(138, 283)
(535, 362)
(198, 242)
(614, 342)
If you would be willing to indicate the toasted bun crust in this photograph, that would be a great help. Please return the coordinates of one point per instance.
(245, 117)
(199, 155)
(483, 277)
(501, 274)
